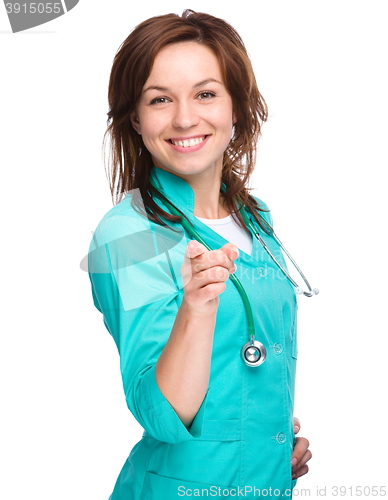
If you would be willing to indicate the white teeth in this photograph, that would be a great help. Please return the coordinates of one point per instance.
(189, 143)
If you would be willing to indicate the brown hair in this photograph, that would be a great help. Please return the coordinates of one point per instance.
(131, 67)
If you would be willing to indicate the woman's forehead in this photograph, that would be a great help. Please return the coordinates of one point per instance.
(184, 63)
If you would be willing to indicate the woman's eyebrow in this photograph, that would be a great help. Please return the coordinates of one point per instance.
(204, 82)
(199, 84)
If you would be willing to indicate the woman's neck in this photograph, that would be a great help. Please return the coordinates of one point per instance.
(208, 212)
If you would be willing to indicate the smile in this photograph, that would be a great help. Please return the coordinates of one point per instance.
(189, 145)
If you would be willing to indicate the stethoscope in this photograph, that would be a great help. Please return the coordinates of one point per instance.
(253, 352)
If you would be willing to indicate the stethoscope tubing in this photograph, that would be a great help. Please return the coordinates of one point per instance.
(236, 281)
(251, 326)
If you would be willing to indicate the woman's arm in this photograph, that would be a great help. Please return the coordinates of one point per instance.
(136, 293)
(183, 369)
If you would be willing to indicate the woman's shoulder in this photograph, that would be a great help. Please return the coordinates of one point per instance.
(129, 234)
(121, 220)
(144, 257)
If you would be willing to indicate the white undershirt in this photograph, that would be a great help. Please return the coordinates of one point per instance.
(231, 231)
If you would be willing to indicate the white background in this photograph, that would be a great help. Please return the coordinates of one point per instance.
(321, 67)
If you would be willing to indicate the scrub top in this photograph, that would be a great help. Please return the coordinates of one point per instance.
(241, 440)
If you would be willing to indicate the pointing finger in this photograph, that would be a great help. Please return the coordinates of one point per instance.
(231, 251)
(195, 248)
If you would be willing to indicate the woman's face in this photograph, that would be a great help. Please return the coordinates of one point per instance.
(185, 114)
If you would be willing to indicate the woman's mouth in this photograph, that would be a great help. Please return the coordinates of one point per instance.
(188, 145)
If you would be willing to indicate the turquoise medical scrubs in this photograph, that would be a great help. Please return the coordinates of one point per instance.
(242, 437)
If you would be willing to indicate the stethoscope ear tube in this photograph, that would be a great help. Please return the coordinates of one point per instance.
(269, 230)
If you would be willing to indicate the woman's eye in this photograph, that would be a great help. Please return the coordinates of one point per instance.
(159, 100)
(204, 96)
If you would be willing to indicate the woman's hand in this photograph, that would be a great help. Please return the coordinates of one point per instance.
(301, 453)
(204, 274)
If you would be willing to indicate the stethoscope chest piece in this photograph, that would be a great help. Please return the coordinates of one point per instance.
(253, 354)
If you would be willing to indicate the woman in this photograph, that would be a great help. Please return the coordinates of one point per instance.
(185, 116)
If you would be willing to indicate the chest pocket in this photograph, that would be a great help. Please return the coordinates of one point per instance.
(294, 339)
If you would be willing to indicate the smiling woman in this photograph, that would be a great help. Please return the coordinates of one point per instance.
(185, 115)
(147, 83)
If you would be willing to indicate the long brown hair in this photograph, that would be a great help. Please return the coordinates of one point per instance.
(131, 161)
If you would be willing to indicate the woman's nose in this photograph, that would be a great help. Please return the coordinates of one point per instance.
(185, 116)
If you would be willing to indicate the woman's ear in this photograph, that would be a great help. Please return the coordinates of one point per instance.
(135, 122)
(234, 117)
